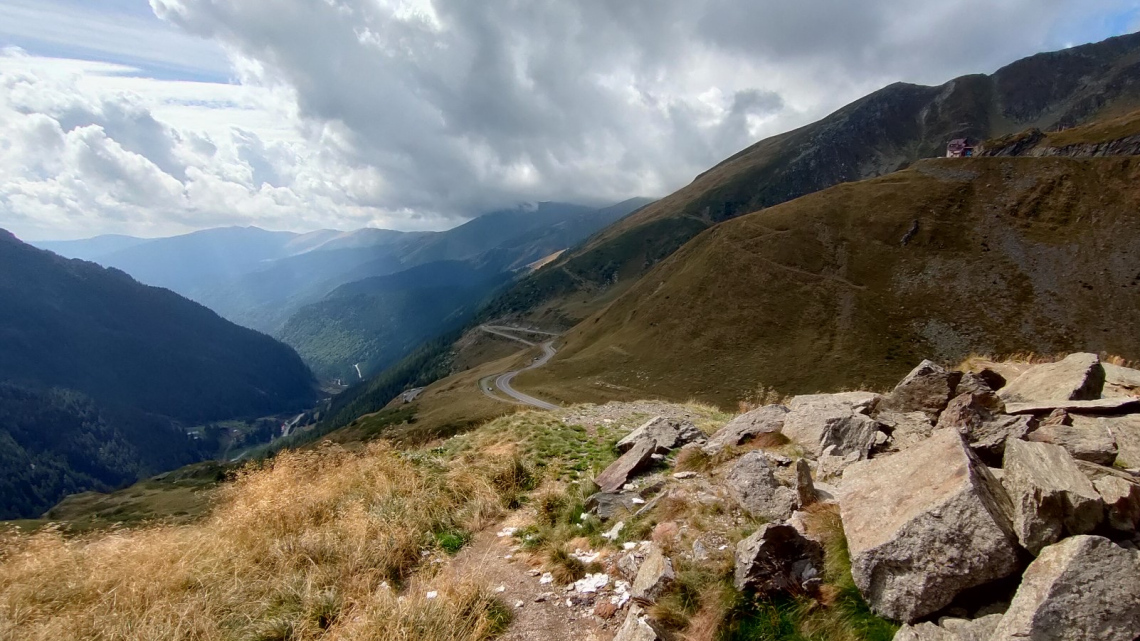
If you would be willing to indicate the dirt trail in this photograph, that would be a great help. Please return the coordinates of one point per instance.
(485, 559)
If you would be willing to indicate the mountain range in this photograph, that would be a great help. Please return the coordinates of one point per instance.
(100, 376)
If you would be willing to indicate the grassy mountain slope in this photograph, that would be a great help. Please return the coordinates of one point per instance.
(376, 321)
(940, 260)
(878, 134)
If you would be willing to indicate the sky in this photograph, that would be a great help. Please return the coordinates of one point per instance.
(163, 117)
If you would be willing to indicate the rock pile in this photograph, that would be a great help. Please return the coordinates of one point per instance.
(954, 489)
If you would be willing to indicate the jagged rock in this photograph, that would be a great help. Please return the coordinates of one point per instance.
(1080, 589)
(1051, 497)
(924, 526)
(928, 388)
(607, 505)
(620, 471)
(1121, 405)
(1077, 377)
(666, 433)
(906, 429)
(950, 629)
(637, 627)
(805, 489)
(830, 466)
(777, 558)
(994, 379)
(767, 419)
(653, 576)
(978, 417)
(971, 383)
(1057, 417)
(752, 484)
(1120, 381)
(817, 420)
(1086, 442)
(1121, 502)
(1125, 431)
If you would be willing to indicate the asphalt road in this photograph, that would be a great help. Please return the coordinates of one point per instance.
(503, 381)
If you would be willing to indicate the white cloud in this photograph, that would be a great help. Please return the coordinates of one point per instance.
(415, 113)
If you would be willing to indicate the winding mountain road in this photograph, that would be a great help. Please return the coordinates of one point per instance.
(503, 381)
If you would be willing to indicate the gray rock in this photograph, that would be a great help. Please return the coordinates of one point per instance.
(978, 416)
(805, 489)
(763, 420)
(620, 471)
(831, 466)
(607, 505)
(1121, 405)
(653, 576)
(777, 558)
(637, 627)
(971, 383)
(924, 526)
(666, 433)
(1121, 502)
(1051, 497)
(817, 420)
(1120, 381)
(1057, 417)
(1125, 431)
(1080, 589)
(906, 429)
(753, 485)
(1077, 377)
(950, 629)
(1091, 441)
(927, 389)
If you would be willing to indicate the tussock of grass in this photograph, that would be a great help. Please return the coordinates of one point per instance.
(300, 549)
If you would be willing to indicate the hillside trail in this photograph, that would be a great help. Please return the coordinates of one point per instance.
(497, 563)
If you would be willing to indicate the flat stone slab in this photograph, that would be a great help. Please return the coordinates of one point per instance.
(1119, 405)
(620, 471)
(1052, 498)
(815, 421)
(1076, 377)
(762, 420)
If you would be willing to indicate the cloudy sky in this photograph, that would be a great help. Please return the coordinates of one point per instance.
(123, 116)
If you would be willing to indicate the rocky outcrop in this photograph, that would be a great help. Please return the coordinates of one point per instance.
(950, 629)
(620, 471)
(927, 389)
(777, 558)
(1087, 442)
(978, 416)
(763, 420)
(1080, 589)
(816, 421)
(1051, 497)
(666, 433)
(1125, 431)
(752, 484)
(925, 525)
(1077, 377)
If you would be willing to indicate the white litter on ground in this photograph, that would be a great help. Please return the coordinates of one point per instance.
(591, 583)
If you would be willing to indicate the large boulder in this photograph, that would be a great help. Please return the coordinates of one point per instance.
(1125, 431)
(906, 429)
(1121, 502)
(777, 558)
(925, 525)
(1077, 377)
(1090, 441)
(622, 470)
(752, 483)
(927, 389)
(665, 433)
(815, 421)
(1051, 497)
(763, 420)
(607, 505)
(1120, 381)
(1080, 589)
(950, 629)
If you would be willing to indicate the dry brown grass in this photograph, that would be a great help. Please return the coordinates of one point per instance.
(301, 549)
